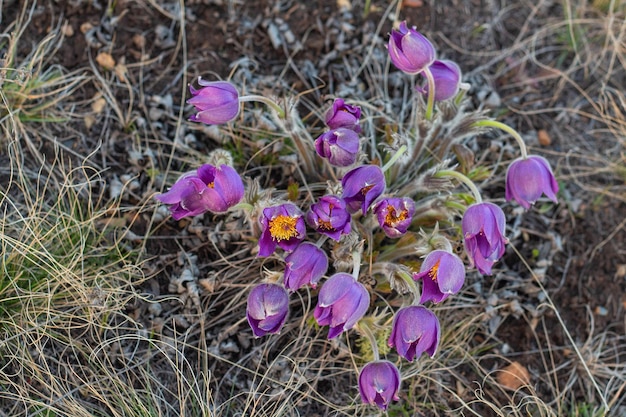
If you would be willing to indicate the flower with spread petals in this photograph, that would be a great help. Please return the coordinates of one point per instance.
(415, 330)
(409, 50)
(329, 217)
(361, 186)
(527, 179)
(442, 274)
(209, 188)
(395, 215)
(447, 76)
(340, 146)
(283, 225)
(305, 265)
(379, 382)
(342, 301)
(268, 305)
(217, 102)
(483, 228)
(343, 115)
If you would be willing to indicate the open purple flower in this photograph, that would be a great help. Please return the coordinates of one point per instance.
(268, 305)
(447, 76)
(340, 146)
(395, 215)
(341, 303)
(527, 179)
(415, 330)
(379, 382)
(409, 50)
(343, 115)
(284, 226)
(217, 102)
(361, 186)
(442, 274)
(329, 217)
(208, 188)
(305, 265)
(483, 228)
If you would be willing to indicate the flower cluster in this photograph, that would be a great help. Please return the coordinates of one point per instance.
(364, 209)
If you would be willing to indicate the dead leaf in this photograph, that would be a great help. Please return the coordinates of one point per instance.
(67, 30)
(98, 105)
(513, 376)
(544, 137)
(105, 60)
(344, 5)
(412, 3)
(89, 121)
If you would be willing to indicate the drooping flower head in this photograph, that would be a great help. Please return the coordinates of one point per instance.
(447, 76)
(361, 186)
(341, 303)
(415, 330)
(305, 265)
(379, 382)
(209, 188)
(340, 146)
(217, 102)
(329, 217)
(343, 115)
(442, 274)
(283, 225)
(527, 179)
(268, 305)
(395, 215)
(409, 50)
(483, 228)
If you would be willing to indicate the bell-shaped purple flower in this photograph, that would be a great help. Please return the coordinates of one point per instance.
(409, 50)
(207, 189)
(217, 102)
(343, 115)
(415, 330)
(268, 305)
(527, 179)
(483, 228)
(342, 301)
(330, 217)
(442, 274)
(305, 265)
(361, 186)
(447, 76)
(340, 146)
(379, 383)
(283, 225)
(395, 215)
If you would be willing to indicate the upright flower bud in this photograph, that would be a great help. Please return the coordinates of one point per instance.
(442, 274)
(395, 215)
(340, 146)
(283, 225)
(209, 188)
(527, 179)
(268, 305)
(341, 303)
(483, 228)
(217, 102)
(379, 382)
(361, 186)
(415, 330)
(343, 115)
(409, 50)
(305, 265)
(447, 76)
(329, 217)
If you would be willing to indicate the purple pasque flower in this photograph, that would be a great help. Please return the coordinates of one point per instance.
(527, 179)
(343, 115)
(442, 274)
(483, 228)
(283, 225)
(329, 217)
(342, 301)
(217, 102)
(395, 215)
(340, 146)
(268, 305)
(361, 186)
(447, 76)
(409, 50)
(379, 383)
(305, 265)
(209, 188)
(415, 330)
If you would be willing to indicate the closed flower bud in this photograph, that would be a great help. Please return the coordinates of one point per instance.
(361, 186)
(268, 305)
(442, 274)
(284, 226)
(447, 76)
(527, 179)
(409, 50)
(340, 146)
(395, 215)
(329, 217)
(483, 228)
(415, 330)
(379, 382)
(343, 115)
(217, 102)
(305, 265)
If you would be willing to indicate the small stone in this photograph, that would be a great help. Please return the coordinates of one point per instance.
(543, 137)
(105, 60)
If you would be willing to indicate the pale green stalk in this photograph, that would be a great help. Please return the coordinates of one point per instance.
(508, 129)
(462, 178)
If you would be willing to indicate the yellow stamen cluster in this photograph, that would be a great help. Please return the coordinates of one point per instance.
(433, 271)
(283, 227)
(391, 219)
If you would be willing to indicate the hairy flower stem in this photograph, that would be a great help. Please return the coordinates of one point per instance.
(356, 264)
(365, 330)
(267, 101)
(394, 158)
(462, 178)
(408, 279)
(508, 129)
(430, 103)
